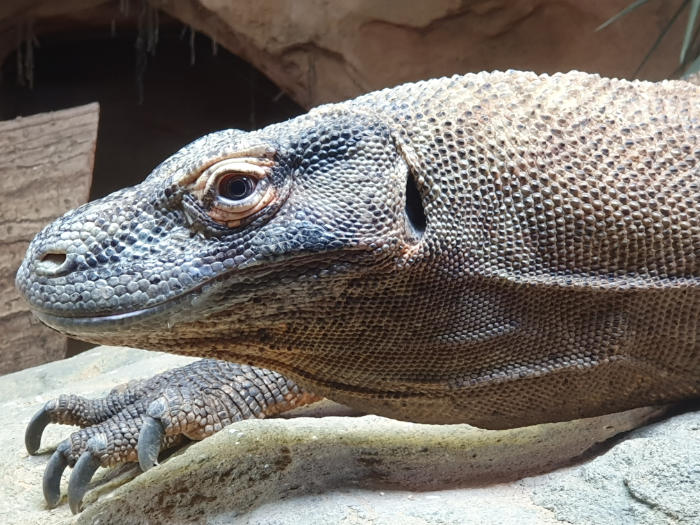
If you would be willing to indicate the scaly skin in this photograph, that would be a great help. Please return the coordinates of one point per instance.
(193, 401)
(544, 266)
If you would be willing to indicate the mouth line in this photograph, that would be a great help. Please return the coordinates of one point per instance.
(255, 271)
(118, 318)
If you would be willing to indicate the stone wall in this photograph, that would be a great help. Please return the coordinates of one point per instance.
(319, 51)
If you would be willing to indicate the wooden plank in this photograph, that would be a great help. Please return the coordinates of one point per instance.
(46, 165)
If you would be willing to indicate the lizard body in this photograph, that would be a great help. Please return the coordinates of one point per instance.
(500, 249)
(560, 248)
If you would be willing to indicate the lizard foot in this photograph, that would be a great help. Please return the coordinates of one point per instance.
(138, 420)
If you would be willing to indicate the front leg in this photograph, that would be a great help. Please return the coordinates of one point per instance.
(137, 420)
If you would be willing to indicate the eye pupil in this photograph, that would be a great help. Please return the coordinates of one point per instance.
(236, 187)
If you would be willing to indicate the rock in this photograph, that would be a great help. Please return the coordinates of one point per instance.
(358, 469)
(45, 170)
(319, 51)
(651, 477)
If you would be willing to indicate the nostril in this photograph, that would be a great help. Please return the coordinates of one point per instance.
(56, 259)
(54, 263)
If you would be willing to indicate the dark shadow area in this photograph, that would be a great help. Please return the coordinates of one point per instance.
(146, 114)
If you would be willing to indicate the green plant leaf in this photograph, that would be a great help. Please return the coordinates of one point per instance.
(688, 38)
(693, 67)
(661, 36)
(622, 13)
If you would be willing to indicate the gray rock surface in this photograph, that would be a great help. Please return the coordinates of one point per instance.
(651, 477)
(357, 470)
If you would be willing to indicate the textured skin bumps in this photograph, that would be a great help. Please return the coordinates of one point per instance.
(556, 275)
(195, 401)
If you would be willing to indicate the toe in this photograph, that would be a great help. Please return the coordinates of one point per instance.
(52, 475)
(35, 429)
(84, 469)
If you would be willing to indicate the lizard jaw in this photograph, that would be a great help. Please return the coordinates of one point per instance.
(130, 327)
(103, 329)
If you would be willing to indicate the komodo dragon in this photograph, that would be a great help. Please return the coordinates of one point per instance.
(500, 249)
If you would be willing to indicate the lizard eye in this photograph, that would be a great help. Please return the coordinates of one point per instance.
(236, 187)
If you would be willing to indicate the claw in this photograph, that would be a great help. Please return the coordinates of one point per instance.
(150, 439)
(52, 475)
(32, 436)
(83, 471)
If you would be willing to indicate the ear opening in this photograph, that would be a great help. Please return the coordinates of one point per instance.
(415, 212)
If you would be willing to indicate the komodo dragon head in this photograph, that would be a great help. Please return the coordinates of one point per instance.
(244, 246)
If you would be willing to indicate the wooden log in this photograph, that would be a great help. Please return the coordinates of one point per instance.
(46, 165)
